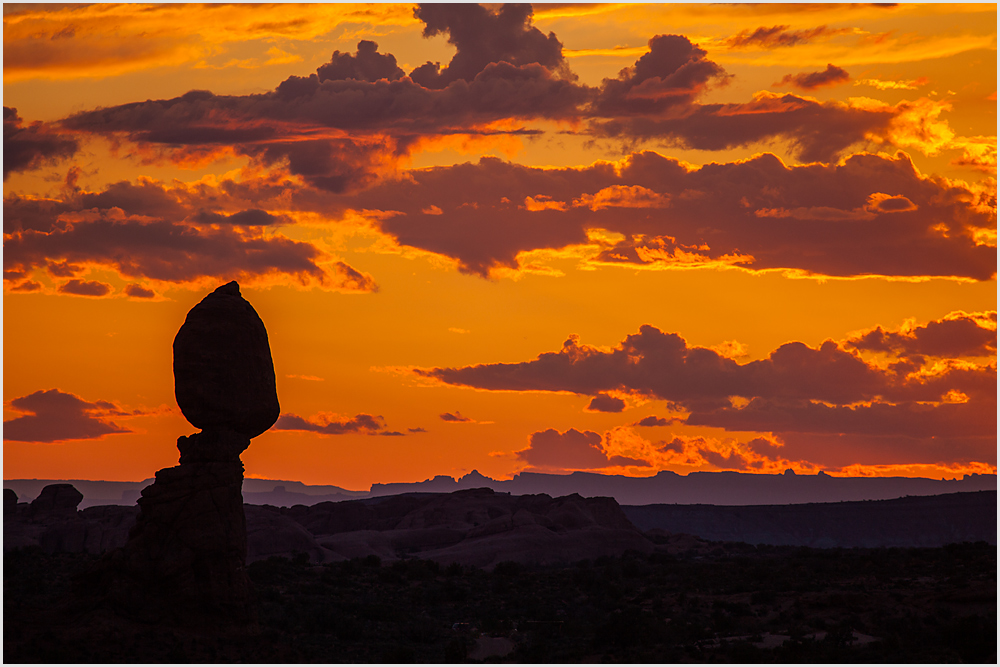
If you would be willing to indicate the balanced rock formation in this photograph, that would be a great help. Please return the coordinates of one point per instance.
(185, 559)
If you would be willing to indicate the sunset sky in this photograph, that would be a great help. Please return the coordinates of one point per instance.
(613, 238)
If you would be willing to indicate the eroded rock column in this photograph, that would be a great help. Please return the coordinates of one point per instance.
(185, 560)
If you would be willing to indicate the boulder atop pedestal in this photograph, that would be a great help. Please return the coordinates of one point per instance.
(223, 373)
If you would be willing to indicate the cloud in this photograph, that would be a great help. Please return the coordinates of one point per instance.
(868, 215)
(86, 288)
(137, 291)
(780, 36)
(797, 389)
(72, 41)
(605, 403)
(653, 420)
(831, 76)
(672, 74)
(149, 231)
(54, 416)
(252, 217)
(815, 131)
(482, 37)
(571, 450)
(893, 85)
(30, 146)
(366, 65)
(958, 334)
(455, 417)
(331, 424)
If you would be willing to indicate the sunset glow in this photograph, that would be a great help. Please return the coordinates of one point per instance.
(612, 238)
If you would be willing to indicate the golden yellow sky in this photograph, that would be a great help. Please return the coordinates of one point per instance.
(615, 238)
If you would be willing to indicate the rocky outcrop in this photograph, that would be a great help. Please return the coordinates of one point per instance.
(185, 559)
(56, 500)
(476, 527)
(52, 523)
(9, 502)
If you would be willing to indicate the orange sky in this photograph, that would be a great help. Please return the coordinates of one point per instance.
(615, 238)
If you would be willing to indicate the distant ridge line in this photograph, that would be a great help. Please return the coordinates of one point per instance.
(697, 488)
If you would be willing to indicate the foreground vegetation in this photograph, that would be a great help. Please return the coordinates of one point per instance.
(735, 603)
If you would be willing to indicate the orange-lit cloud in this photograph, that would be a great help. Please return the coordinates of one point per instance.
(780, 36)
(73, 41)
(829, 393)
(29, 146)
(571, 450)
(831, 76)
(56, 416)
(332, 424)
(835, 220)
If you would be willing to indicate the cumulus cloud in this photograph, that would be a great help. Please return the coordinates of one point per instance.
(54, 416)
(30, 146)
(672, 74)
(331, 424)
(149, 231)
(869, 215)
(831, 76)
(572, 450)
(482, 37)
(365, 65)
(797, 389)
(958, 334)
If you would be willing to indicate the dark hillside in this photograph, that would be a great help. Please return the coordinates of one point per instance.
(921, 521)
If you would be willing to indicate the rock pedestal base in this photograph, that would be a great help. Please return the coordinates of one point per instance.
(185, 560)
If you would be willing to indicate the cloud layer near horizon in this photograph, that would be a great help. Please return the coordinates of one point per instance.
(933, 396)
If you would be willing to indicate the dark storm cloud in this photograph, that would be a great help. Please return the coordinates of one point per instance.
(365, 65)
(571, 450)
(957, 335)
(824, 219)
(85, 288)
(482, 37)
(53, 416)
(361, 423)
(29, 146)
(831, 76)
(779, 36)
(605, 403)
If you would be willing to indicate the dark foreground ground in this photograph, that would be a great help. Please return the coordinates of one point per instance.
(731, 603)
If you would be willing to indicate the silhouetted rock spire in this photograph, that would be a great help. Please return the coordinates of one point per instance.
(185, 560)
